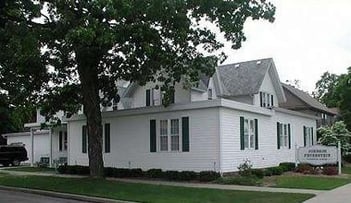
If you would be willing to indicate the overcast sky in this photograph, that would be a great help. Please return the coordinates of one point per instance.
(307, 38)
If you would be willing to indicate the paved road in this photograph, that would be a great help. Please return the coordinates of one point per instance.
(21, 197)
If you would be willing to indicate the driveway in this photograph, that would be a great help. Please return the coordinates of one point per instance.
(21, 197)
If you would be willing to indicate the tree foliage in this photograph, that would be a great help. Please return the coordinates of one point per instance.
(72, 52)
(335, 91)
(335, 133)
(325, 89)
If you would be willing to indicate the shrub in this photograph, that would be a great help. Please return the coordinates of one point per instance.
(245, 168)
(259, 173)
(78, 170)
(277, 170)
(238, 180)
(187, 175)
(62, 169)
(347, 158)
(108, 171)
(172, 175)
(268, 172)
(154, 173)
(304, 168)
(207, 176)
(330, 170)
(287, 166)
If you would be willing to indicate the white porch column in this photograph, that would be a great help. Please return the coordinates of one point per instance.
(50, 136)
(32, 147)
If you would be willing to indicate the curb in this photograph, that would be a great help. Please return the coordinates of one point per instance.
(63, 195)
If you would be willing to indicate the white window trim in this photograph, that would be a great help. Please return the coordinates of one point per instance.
(158, 135)
(282, 135)
(62, 141)
(309, 137)
(254, 135)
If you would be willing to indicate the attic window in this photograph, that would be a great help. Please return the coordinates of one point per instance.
(266, 99)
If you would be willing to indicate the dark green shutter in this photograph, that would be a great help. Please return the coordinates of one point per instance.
(172, 96)
(272, 103)
(304, 136)
(256, 134)
(278, 135)
(289, 135)
(148, 96)
(242, 144)
(152, 135)
(312, 135)
(185, 134)
(84, 139)
(107, 138)
(60, 141)
(261, 99)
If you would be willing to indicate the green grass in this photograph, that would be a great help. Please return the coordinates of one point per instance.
(146, 192)
(308, 182)
(31, 169)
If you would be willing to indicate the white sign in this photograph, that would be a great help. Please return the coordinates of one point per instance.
(317, 155)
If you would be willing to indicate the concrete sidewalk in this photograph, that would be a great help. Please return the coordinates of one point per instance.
(183, 184)
(339, 195)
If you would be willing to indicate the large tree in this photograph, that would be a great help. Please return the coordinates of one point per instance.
(72, 52)
(335, 91)
(325, 89)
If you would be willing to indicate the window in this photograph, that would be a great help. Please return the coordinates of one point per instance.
(174, 135)
(283, 135)
(164, 135)
(169, 135)
(266, 99)
(249, 134)
(308, 136)
(209, 94)
(62, 141)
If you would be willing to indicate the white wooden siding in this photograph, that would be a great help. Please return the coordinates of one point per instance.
(267, 155)
(130, 142)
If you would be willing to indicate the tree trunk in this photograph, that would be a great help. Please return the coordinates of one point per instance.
(88, 74)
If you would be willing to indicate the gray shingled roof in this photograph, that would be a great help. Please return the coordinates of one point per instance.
(305, 97)
(243, 78)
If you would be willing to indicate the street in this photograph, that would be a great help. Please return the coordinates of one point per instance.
(21, 197)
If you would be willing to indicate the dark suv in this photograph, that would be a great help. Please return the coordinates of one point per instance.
(12, 154)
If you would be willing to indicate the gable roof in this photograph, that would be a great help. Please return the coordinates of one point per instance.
(308, 99)
(246, 78)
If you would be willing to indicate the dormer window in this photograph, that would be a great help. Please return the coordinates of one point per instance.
(266, 99)
(209, 92)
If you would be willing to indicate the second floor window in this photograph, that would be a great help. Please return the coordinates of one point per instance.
(209, 94)
(62, 141)
(266, 99)
(169, 135)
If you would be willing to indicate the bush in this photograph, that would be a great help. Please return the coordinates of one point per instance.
(62, 169)
(187, 175)
(78, 170)
(126, 173)
(154, 173)
(172, 175)
(304, 168)
(347, 158)
(245, 168)
(287, 166)
(207, 176)
(108, 171)
(330, 170)
(259, 173)
(238, 180)
(277, 170)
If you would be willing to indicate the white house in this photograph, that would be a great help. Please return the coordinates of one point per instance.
(227, 118)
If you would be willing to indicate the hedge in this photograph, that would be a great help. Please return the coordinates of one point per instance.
(203, 176)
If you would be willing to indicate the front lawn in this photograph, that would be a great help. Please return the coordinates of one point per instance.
(309, 182)
(145, 192)
(31, 169)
